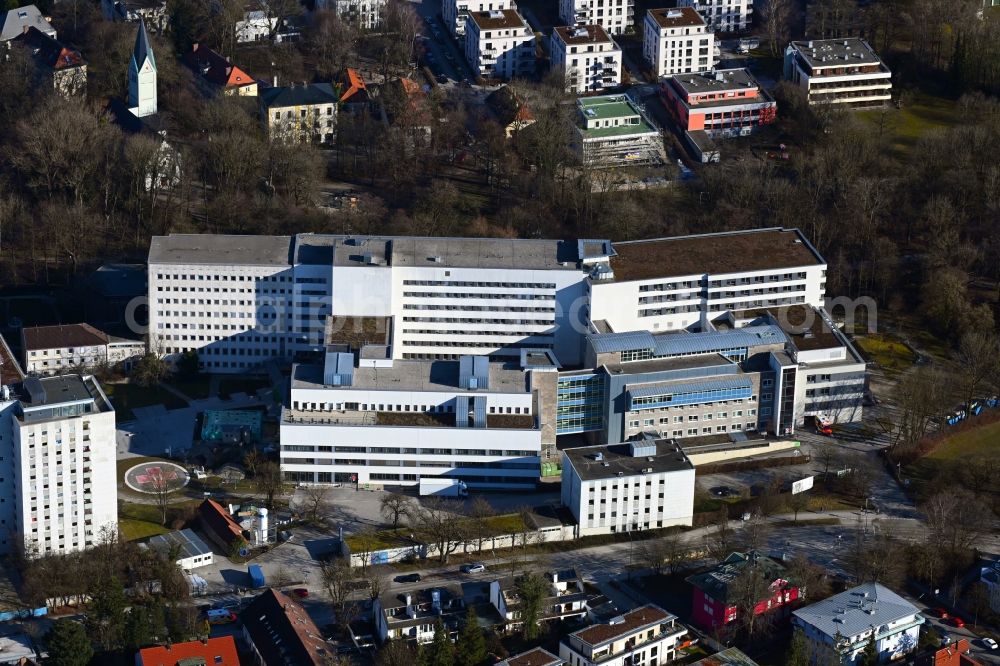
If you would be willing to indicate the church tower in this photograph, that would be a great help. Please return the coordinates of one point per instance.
(142, 76)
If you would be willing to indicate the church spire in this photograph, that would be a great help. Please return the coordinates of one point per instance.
(142, 76)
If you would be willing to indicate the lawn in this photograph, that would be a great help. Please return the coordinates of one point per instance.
(139, 521)
(134, 530)
(887, 351)
(248, 385)
(972, 442)
(920, 114)
(126, 397)
(496, 526)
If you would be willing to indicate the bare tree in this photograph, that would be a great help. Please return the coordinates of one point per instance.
(955, 519)
(339, 582)
(747, 589)
(377, 578)
(977, 362)
(162, 487)
(332, 43)
(314, 497)
(722, 541)
(439, 524)
(268, 481)
(755, 531)
(480, 512)
(920, 397)
(394, 507)
(665, 553)
(797, 502)
(776, 16)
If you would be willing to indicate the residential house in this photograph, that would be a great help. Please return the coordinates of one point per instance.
(510, 110)
(10, 369)
(220, 526)
(352, 91)
(716, 105)
(677, 41)
(279, 632)
(715, 601)
(189, 549)
(615, 16)
(405, 104)
(455, 12)
(645, 636)
(566, 598)
(958, 653)
(50, 350)
(218, 74)
(587, 58)
(153, 13)
(728, 657)
(59, 67)
(499, 44)
(257, 24)
(14, 22)
(843, 625)
(844, 72)
(535, 657)
(723, 15)
(299, 113)
(613, 132)
(638, 485)
(219, 651)
(412, 616)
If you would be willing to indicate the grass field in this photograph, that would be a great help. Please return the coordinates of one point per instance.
(126, 397)
(888, 352)
(972, 442)
(140, 521)
(920, 114)
(134, 530)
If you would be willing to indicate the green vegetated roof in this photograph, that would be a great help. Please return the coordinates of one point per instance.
(622, 130)
(383, 539)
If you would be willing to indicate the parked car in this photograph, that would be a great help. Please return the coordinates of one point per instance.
(989, 644)
(958, 622)
(301, 593)
(408, 578)
(472, 568)
(220, 616)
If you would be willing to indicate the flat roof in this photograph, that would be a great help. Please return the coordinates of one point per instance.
(679, 17)
(188, 543)
(536, 657)
(607, 106)
(722, 253)
(836, 52)
(632, 621)
(220, 249)
(414, 375)
(582, 34)
(806, 328)
(718, 81)
(618, 458)
(55, 390)
(497, 18)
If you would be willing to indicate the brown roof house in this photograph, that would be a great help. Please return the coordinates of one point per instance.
(217, 74)
(57, 66)
(51, 350)
(280, 633)
(624, 638)
(221, 527)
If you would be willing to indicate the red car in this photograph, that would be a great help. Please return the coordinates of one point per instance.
(301, 592)
(958, 622)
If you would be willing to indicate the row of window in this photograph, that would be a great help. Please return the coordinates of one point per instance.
(501, 285)
(224, 277)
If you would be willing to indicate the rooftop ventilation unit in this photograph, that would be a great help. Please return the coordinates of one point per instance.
(674, 13)
(599, 456)
(435, 259)
(496, 14)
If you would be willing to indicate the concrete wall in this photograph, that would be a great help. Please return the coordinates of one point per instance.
(716, 456)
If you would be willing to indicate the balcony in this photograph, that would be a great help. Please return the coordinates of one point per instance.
(667, 633)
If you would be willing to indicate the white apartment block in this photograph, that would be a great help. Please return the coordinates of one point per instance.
(677, 41)
(615, 16)
(639, 485)
(499, 44)
(394, 422)
(57, 435)
(50, 350)
(843, 625)
(846, 72)
(646, 636)
(723, 15)
(455, 12)
(366, 14)
(588, 59)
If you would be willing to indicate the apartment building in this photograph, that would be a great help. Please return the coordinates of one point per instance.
(376, 420)
(841, 627)
(412, 616)
(846, 72)
(566, 599)
(586, 57)
(717, 105)
(677, 41)
(58, 438)
(299, 113)
(723, 15)
(646, 636)
(365, 14)
(50, 350)
(59, 68)
(499, 44)
(639, 485)
(615, 16)
(612, 131)
(455, 12)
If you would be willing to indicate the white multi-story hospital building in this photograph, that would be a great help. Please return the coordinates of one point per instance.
(612, 341)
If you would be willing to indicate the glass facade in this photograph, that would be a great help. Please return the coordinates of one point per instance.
(580, 404)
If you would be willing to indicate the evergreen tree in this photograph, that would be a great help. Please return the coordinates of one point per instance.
(470, 649)
(531, 590)
(870, 655)
(68, 644)
(442, 652)
(798, 652)
(138, 630)
(107, 612)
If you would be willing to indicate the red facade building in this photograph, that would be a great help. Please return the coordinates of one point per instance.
(714, 605)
